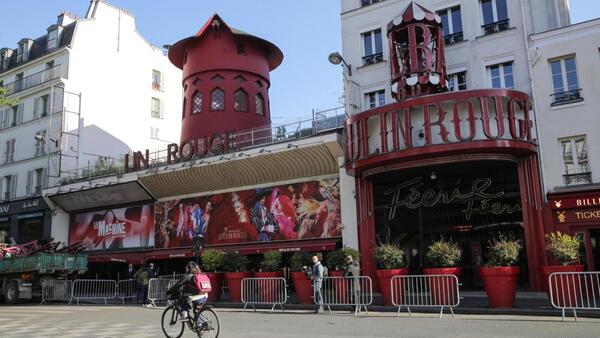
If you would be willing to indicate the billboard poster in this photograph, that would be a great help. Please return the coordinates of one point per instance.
(114, 229)
(305, 210)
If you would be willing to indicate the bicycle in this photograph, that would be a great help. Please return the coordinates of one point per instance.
(204, 322)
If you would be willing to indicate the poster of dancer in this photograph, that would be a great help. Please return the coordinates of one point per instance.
(305, 210)
(114, 229)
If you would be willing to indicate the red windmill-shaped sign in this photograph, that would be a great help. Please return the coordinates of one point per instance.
(417, 53)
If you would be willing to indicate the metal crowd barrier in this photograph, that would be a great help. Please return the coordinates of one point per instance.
(173, 276)
(126, 289)
(57, 290)
(425, 291)
(264, 291)
(346, 291)
(574, 291)
(92, 289)
(157, 289)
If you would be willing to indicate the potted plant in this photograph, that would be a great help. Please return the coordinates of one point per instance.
(234, 265)
(270, 269)
(336, 264)
(390, 263)
(212, 262)
(444, 256)
(564, 249)
(302, 283)
(500, 273)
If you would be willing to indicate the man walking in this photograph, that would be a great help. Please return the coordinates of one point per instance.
(141, 277)
(352, 272)
(316, 275)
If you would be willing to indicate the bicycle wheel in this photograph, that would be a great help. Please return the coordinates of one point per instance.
(207, 323)
(171, 326)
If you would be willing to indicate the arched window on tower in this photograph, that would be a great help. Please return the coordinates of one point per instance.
(240, 100)
(260, 104)
(217, 99)
(196, 102)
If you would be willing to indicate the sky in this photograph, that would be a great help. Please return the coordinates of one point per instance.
(306, 31)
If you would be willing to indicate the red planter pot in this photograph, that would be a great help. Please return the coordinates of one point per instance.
(384, 282)
(340, 287)
(500, 284)
(563, 297)
(270, 290)
(216, 280)
(442, 289)
(303, 286)
(234, 284)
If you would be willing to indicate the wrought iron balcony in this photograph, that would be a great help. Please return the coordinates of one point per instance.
(453, 38)
(569, 96)
(496, 27)
(35, 79)
(579, 178)
(372, 59)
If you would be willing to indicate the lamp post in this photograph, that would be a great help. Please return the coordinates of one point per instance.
(336, 58)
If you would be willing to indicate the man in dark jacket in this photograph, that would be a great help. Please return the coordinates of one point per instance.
(352, 272)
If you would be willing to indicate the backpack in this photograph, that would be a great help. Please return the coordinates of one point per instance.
(202, 282)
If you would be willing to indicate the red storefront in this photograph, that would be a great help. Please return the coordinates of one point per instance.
(460, 165)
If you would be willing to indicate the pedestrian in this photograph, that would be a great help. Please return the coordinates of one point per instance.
(141, 278)
(352, 273)
(130, 271)
(414, 262)
(316, 274)
(131, 283)
(151, 271)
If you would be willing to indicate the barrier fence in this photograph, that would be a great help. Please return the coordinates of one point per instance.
(574, 291)
(264, 291)
(345, 291)
(157, 289)
(57, 290)
(94, 289)
(126, 289)
(425, 291)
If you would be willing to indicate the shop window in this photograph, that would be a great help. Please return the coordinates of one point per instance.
(30, 227)
(240, 100)
(501, 75)
(217, 99)
(375, 99)
(575, 160)
(452, 24)
(260, 104)
(564, 81)
(372, 47)
(197, 103)
(457, 81)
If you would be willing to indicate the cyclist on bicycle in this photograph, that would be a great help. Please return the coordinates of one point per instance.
(196, 287)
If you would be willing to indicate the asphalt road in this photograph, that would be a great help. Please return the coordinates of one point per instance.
(136, 322)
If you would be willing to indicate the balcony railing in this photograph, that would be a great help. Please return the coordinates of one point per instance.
(373, 58)
(496, 27)
(453, 38)
(569, 96)
(35, 79)
(579, 178)
(364, 3)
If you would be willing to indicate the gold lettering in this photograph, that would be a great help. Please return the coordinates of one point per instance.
(578, 202)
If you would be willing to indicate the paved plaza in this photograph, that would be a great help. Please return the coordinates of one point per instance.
(136, 322)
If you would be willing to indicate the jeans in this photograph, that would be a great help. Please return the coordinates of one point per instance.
(140, 294)
(318, 293)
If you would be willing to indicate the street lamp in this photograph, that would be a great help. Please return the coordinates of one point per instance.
(336, 58)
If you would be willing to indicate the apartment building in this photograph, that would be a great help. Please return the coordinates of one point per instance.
(87, 91)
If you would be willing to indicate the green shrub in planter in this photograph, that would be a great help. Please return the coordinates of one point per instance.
(504, 252)
(564, 248)
(234, 262)
(300, 259)
(212, 260)
(389, 257)
(271, 261)
(444, 253)
(336, 260)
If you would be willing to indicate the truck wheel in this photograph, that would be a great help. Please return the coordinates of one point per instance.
(11, 293)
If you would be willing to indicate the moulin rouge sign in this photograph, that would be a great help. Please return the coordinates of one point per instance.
(216, 144)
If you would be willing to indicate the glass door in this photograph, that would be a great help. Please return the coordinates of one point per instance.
(594, 249)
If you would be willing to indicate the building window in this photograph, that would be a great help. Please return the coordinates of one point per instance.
(9, 151)
(40, 143)
(565, 82)
(240, 100)
(372, 47)
(452, 24)
(52, 39)
(217, 99)
(19, 83)
(155, 109)
(575, 159)
(260, 104)
(375, 99)
(9, 187)
(20, 53)
(501, 75)
(197, 103)
(495, 16)
(457, 81)
(154, 133)
(364, 3)
(156, 80)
